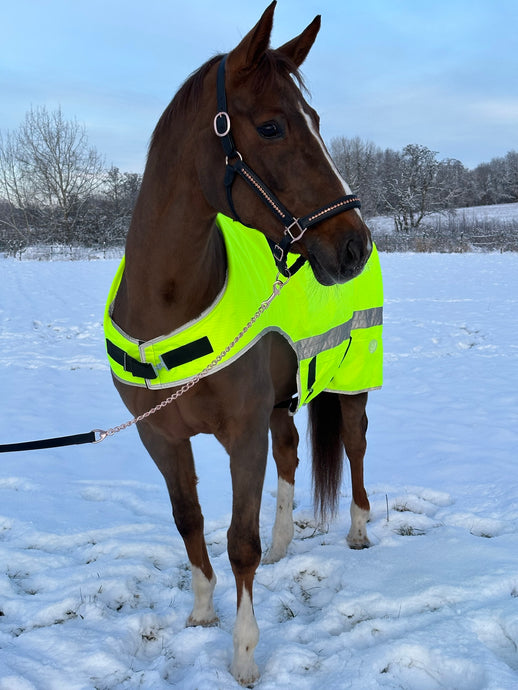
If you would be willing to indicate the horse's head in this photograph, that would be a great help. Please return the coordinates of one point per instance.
(276, 133)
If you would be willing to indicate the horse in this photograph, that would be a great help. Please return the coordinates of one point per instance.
(251, 161)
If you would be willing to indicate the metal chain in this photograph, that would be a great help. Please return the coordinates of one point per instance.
(277, 287)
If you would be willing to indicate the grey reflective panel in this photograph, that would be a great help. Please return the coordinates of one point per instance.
(366, 318)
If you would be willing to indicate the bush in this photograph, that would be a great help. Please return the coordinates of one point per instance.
(454, 233)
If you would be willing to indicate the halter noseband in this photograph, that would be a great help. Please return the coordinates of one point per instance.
(294, 228)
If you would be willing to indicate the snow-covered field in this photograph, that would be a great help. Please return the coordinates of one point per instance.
(94, 582)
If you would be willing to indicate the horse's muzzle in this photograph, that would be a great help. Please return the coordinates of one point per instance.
(332, 265)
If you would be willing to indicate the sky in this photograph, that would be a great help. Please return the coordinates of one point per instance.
(441, 73)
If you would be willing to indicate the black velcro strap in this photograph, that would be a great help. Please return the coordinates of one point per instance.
(290, 405)
(141, 370)
(312, 373)
(187, 353)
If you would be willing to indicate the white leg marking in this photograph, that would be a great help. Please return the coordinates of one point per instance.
(203, 610)
(357, 537)
(283, 527)
(246, 636)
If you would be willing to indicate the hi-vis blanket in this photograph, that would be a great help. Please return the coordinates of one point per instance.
(336, 331)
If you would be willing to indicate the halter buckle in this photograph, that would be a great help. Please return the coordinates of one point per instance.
(287, 230)
(236, 155)
(226, 118)
(278, 252)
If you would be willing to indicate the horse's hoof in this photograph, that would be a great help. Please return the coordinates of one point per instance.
(273, 556)
(359, 547)
(247, 679)
(358, 542)
(209, 623)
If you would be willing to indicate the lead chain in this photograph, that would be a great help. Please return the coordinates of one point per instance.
(277, 287)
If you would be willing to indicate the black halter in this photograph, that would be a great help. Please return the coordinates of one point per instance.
(294, 228)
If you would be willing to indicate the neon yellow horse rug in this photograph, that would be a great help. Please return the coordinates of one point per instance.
(335, 331)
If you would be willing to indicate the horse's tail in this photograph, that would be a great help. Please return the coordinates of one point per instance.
(325, 421)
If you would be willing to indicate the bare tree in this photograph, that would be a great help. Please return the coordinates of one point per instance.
(358, 163)
(452, 184)
(120, 194)
(110, 210)
(496, 182)
(414, 192)
(47, 164)
(511, 160)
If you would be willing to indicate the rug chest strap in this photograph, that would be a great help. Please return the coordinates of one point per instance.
(133, 366)
(171, 359)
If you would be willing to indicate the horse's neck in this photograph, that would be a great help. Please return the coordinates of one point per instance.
(175, 263)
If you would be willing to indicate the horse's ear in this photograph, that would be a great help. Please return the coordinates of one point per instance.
(298, 48)
(247, 54)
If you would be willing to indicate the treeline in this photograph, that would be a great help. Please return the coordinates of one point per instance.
(424, 196)
(56, 189)
(411, 184)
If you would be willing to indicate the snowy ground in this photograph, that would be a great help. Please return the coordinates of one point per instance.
(94, 582)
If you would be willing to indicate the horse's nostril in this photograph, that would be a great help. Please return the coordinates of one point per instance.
(354, 251)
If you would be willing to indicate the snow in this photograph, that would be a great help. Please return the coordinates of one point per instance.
(94, 581)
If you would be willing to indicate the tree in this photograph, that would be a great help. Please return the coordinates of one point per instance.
(413, 193)
(358, 163)
(511, 162)
(496, 182)
(120, 194)
(48, 164)
(110, 210)
(15, 213)
(452, 184)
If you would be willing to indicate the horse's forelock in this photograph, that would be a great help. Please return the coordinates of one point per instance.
(272, 65)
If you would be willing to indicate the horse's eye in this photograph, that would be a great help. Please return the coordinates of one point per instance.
(270, 130)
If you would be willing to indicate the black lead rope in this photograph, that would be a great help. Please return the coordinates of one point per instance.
(294, 228)
(74, 440)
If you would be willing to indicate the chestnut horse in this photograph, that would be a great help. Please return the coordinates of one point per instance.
(176, 267)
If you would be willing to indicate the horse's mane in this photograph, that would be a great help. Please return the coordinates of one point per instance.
(272, 63)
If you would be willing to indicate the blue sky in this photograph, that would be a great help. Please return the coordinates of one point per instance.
(441, 73)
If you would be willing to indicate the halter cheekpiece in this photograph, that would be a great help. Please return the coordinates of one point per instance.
(294, 228)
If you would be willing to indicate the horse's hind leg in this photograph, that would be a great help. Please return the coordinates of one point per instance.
(354, 429)
(285, 441)
(176, 463)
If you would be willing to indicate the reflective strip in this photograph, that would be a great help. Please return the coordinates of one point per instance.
(310, 347)
(366, 318)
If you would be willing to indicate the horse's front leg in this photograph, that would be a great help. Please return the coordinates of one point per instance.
(247, 464)
(285, 441)
(176, 463)
(354, 430)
